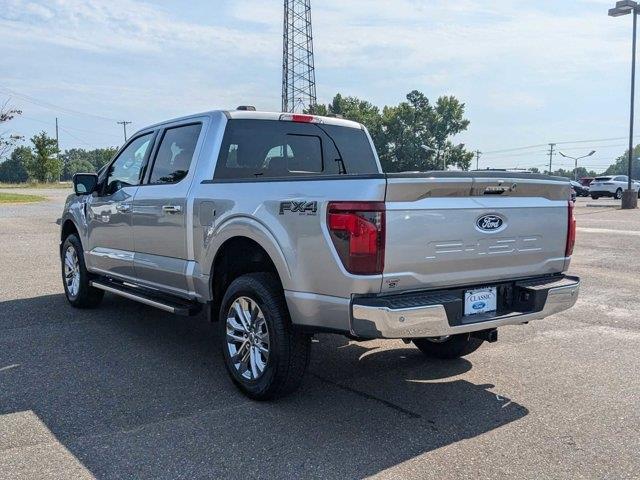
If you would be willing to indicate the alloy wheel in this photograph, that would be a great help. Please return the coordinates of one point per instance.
(247, 338)
(72, 271)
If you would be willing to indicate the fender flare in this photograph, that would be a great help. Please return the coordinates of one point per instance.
(249, 227)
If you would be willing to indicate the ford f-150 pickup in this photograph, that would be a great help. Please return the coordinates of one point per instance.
(280, 226)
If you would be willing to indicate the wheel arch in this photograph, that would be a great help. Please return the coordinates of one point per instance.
(68, 228)
(241, 253)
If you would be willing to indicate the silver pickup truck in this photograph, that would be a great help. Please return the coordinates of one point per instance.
(280, 226)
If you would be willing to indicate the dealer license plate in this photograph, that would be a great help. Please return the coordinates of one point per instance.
(481, 300)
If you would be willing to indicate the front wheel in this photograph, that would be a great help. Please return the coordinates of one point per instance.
(618, 194)
(264, 355)
(450, 347)
(75, 277)
(595, 197)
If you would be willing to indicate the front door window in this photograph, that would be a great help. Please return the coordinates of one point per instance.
(125, 171)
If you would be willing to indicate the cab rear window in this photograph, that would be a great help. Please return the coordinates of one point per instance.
(280, 149)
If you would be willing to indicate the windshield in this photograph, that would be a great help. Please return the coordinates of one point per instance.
(602, 179)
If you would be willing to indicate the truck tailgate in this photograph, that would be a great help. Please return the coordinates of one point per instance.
(457, 228)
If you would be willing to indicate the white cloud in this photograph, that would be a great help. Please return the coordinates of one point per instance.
(122, 25)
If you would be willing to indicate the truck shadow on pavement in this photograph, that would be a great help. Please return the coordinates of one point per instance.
(134, 392)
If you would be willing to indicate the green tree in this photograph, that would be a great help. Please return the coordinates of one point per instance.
(78, 160)
(7, 140)
(14, 169)
(412, 136)
(621, 164)
(448, 120)
(44, 166)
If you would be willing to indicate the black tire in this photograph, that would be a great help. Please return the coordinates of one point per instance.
(289, 350)
(595, 197)
(86, 296)
(618, 194)
(455, 346)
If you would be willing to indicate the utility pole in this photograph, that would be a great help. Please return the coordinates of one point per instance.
(124, 128)
(551, 147)
(58, 153)
(478, 153)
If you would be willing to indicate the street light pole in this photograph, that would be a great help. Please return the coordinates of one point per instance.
(633, 93)
(575, 159)
(625, 7)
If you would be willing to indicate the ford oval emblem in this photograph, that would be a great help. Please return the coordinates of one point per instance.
(489, 223)
(478, 305)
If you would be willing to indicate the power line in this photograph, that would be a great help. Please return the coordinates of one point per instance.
(75, 137)
(81, 130)
(52, 106)
(516, 149)
(595, 140)
(525, 154)
(566, 142)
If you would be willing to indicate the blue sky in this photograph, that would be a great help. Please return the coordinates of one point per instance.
(530, 73)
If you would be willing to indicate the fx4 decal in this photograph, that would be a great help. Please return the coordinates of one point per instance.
(303, 208)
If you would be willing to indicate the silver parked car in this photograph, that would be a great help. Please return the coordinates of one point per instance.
(280, 226)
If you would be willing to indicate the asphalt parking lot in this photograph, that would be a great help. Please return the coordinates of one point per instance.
(126, 391)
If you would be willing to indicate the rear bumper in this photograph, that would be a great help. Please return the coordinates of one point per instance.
(436, 314)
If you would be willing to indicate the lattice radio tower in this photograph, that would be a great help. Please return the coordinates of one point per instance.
(298, 71)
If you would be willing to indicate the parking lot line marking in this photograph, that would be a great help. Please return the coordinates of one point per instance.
(635, 233)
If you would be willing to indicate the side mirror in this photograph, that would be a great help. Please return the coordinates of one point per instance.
(85, 183)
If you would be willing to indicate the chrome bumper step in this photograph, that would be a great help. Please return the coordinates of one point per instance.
(440, 313)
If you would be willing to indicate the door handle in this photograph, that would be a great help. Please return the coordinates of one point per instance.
(172, 209)
(123, 207)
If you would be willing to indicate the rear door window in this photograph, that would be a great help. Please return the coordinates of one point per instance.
(276, 149)
(175, 154)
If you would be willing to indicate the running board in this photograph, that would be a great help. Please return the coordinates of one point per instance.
(177, 306)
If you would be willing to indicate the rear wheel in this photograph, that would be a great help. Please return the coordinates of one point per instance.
(449, 347)
(595, 197)
(618, 194)
(75, 277)
(265, 357)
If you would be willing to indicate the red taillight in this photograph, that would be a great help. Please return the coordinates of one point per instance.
(357, 231)
(571, 231)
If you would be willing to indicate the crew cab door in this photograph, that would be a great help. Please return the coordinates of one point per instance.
(160, 227)
(110, 236)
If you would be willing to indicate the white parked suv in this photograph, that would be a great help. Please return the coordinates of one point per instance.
(612, 186)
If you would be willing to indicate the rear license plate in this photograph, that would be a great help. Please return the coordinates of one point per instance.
(481, 300)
